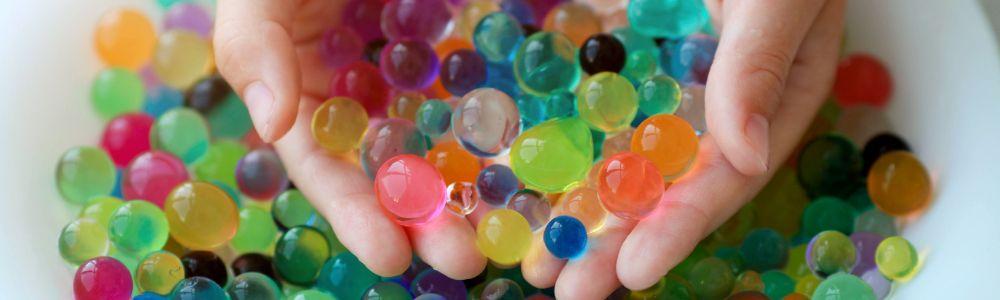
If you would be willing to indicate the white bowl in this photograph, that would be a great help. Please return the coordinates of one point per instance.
(947, 103)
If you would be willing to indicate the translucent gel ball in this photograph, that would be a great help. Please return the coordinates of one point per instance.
(362, 15)
(159, 272)
(260, 174)
(338, 124)
(433, 118)
(340, 46)
(659, 95)
(362, 82)
(126, 136)
(692, 108)
(386, 290)
(711, 278)
(607, 102)
(639, 66)
(83, 239)
(462, 71)
(561, 105)
(748, 280)
(602, 53)
(300, 254)
(188, 16)
(520, 9)
(629, 185)
(532, 110)
(181, 58)
(470, 16)
(865, 243)
(345, 277)
(410, 190)
(827, 213)
(503, 236)
(431, 281)
(862, 78)
(565, 237)
(219, 163)
(205, 264)
(151, 176)
(424, 20)
(102, 278)
(463, 198)
(831, 252)
(404, 104)
(201, 215)
(454, 163)
(409, 64)
(161, 99)
(253, 262)
(899, 184)
(576, 20)
(125, 38)
(85, 172)
(764, 249)
(310, 294)
(777, 284)
(665, 18)
(502, 288)
(116, 91)
(532, 205)
(829, 165)
(497, 37)
(256, 231)
(553, 155)
(254, 286)
(388, 139)
(138, 228)
(198, 288)
(486, 121)
(690, 60)
(545, 63)
(880, 285)
(896, 258)
(843, 286)
(182, 132)
(496, 183)
(100, 209)
(584, 204)
(667, 141)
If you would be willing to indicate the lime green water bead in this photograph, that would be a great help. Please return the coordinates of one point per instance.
(83, 239)
(138, 228)
(101, 208)
(300, 254)
(553, 155)
(659, 94)
(607, 102)
(257, 231)
(116, 91)
(219, 163)
(85, 172)
(159, 272)
(546, 62)
(896, 258)
(182, 132)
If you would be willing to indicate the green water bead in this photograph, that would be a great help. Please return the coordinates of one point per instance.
(607, 102)
(683, 269)
(159, 272)
(829, 165)
(859, 199)
(659, 95)
(138, 228)
(291, 208)
(546, 62)
(640, 66)
(85, 172)
(300, 255)
(256, 232)
(560, 104)
(842, 286)
(896, 258)
(83, 239)
(777, 284)
(254, 286)
(764, 249)
(711, 278)
(346, 277)
(828, 213)
(730, 255)
(182, 132)
(116, 91)
(831, 252)
(553, 155)
(797, 267)
(310, 294)
(780, 204)
(634, 41)
(100, 209)
(219, 162)
(667, 18)
(386, 290)
(433, 118)
(875, 221)
(230, 118)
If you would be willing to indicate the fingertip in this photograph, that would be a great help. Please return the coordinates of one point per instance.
(539, 267)
(631, 273)
(448, 244)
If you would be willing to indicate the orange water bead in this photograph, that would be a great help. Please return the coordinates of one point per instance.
(629, 185)
(404, 105)
(125, 38)
(454, 163)
(899, 184)
(449, 45)
(576, 20)
(584, 204)
(669, 142)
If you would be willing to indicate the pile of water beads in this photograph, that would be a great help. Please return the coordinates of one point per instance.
(596, 106)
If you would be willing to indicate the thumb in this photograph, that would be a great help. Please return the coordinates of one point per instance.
(759, 42)
(255, 53)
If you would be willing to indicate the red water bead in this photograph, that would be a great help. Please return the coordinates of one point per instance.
(151, 176)
(862, 79)
(102, 278)
(410, 189)
(629, 185)
(363, 82)
(127, 136)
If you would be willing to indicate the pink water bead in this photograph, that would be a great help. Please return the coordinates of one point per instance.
(152, 175)
(363, 82)
(102, 278)
(410, 189)
(127, 136)
(424, 20)
(629, 185)
(361, 15)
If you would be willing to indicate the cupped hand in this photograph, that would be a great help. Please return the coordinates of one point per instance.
(772, 71)
(268, 51)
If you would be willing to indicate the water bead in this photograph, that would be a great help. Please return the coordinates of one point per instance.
(181, 58)
(629, 185)
(219, 163)
(363, 82)
(471, 14)
(843, 286)
(689, 60)
(532, 205)
(463, 198)
(116, 91)
(797, 267)
(862, 79)
(519, 9)
(102, 278)
(158, 272)
(667, 141)
(409, 64)
(553, 155)
(201, 215)
(879, 145)
(633, 41)
(300, 254)
(125, 38)
(340, 46)
(866, 244)
(182, 132)
(100, 209)
(339, 124)
(83, 239)
(386, 290)
(899, 184)
(188, 16)
(617, 143)
(875, 221)
(546, 62)
(454, 163)
(452, 44)
(126, 136)
(85, 172)
(584, 204)
(256, 232)
(462, 71)
(254, 286)
(410, 189)
(291, 209)
(829, 165)
(565, 237)
(425, 20)
(345, 277)
(138, 228)
(496, 183)
(486, 121)
(602, 53)
(764, 249)
(560, 105)
(807, 285)
(664, 18)
(230, 118)
(199, 288)
(532, 110)
(607, 102)
(640, 65)
(692, 107)
(502, 289)
(310, 294)
(503, 236)
(831, 252)
(748, 295)
(827, 213)
(880, 285)
(260, 174)
(497, 37)
(362, 15)
(404, 105)
(433, 118)
(501, 76)
(431, 281)
(161, 99)
(388, 139)
(253, 262)
(152, 175)
(205, 264)
(748, 280)
(576, 20)
(150, 296)
(777, 284)
(659, 95)
(896, 258)
(207, 93)
(711, 278)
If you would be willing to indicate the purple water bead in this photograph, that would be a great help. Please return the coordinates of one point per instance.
(188, 16)
(409, 64)
(520, 9)
(462, 71)
(865, 244)
(689, 60)
(424, 20)
(496, 183)
(361, 15)
(260, 174)
(432, 281)
(880, 285)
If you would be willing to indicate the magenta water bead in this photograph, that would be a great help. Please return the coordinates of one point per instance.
(424, 20)
(188, 16)
(410, 189)
(127, 136)
(152, 175)
(409, 64)
(361, 15)
(340, 46)
(102, 278)
(260, 174)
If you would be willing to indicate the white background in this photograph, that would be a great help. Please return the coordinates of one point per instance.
(943, 55)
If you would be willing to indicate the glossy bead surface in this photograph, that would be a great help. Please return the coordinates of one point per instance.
(85, 172)
(433, 118)
(830, 252)
(896, 258)
(497, 36)
(138, 228)
(486, 121)
(664, 18)
(576, 20)
(659, 95)
(345, 277)
(584, 204)
(602, 53)
(159, 272)
(300, 255)
(125, 37)
(102, 278)
(899, 184)
(201, 215)
(532, 205)
(388, 139)
(127, 136)
(260, 174)
(667, 141)
(410, 190)
(503, 236)
(362, 82)
(496, 183)
(565, 237)
(607, 102)
(629, 185)
(829, 165)
(553, 155)
(409, 64)
(424, 20)
(545, 63)
(182, 132)
(83, 239)
(181, 58)
(339, 124)
(462, 71)
(254, 286)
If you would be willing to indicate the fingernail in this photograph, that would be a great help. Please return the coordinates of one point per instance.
(260, 103)
(756, 131)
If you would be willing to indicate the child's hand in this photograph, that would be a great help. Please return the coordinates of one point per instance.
(267, 50)
(772, 71)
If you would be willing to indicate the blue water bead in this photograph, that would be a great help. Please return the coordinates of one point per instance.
(497, 37)
(345, 276)
(561, 104)
(198, 288)
(149, 296)
(117, 190)
(546, 62)
(433, 118)
(667, 18)
(565, 237)
(462, 71)
(532, 111)
(501, 76)
(520, 9)
(689, 60)
(495, 183)
(161, 99)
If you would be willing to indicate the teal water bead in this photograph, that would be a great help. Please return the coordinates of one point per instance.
(300, 255)
(667, 18)
(634, 41)
(711, 278)
(560, 104)
(101, 208)
(182, 132)
(607, 102)
(138, 227)
(546, 62)
(257, 231)
(497, 36)
(831, 252)
(198, 288)
(310, 294)
(230, 118)
(433, 118)
(659, 95)
(532, 110)
(116, 91)
(830, 165)
(764, 249)
(827, 213)
(346, 277)
(85, 172)
(83, 239)
(254, 286)
(875, 221)
(291, 208)
(386, 290)
(640, 65)
(777, 284)
(842, 286)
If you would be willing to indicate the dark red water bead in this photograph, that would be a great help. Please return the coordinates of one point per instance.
(862, 79)
(362, 82)
(253, 262)
(602, 53)
(205, 264)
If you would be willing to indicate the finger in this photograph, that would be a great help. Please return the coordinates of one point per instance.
(344, 195)
(756, 50)
(448, 243)
(256, 55)
(577, 279)
(539, 267)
